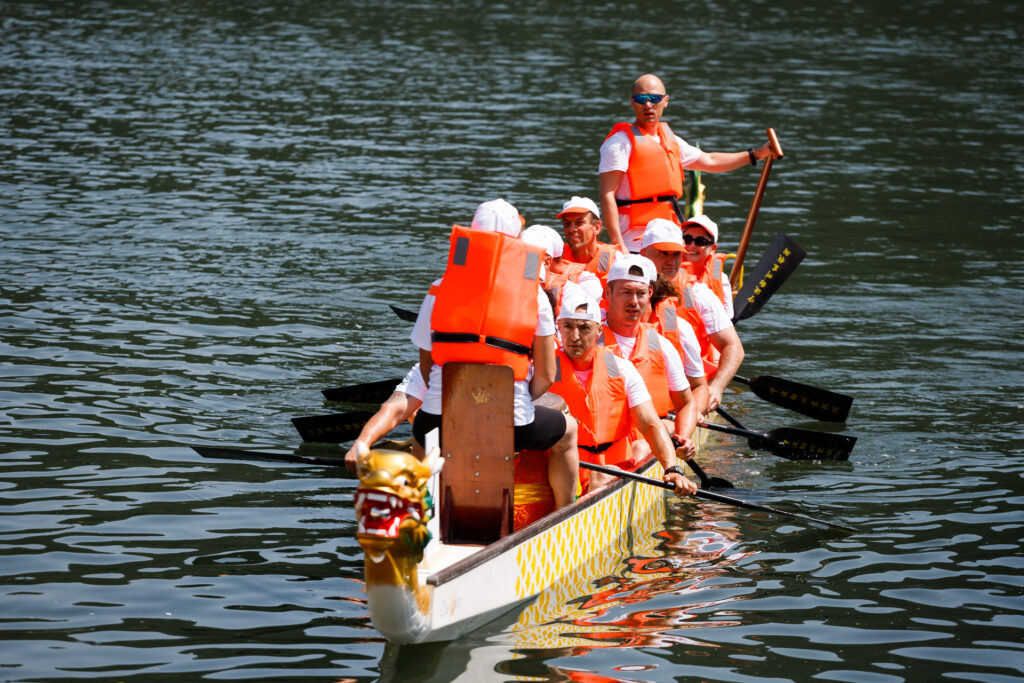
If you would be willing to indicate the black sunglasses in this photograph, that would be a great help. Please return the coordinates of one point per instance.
(700, 241)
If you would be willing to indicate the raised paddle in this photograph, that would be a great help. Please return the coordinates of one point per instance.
(821, 404)
(777, 264)
(792, 443)
(748, 228)
(221, 452)
(371, 392)
(717, 497)
(333, 428)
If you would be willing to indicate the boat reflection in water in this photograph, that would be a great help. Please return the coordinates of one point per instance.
(660, 564)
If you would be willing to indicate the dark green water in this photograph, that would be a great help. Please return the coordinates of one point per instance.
(205, 208)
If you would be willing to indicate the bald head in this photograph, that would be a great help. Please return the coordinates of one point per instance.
(648, 83)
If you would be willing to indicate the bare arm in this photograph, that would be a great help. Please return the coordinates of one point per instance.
(657, 436)
(699, 389)
(722, 162)
(686, 420)
(543, 365)
(607, 184)
(729, 345)
(391, 413)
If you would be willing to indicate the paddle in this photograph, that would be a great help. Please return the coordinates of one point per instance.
(405, 314)
(710, 495)
(333, 428)
(748, 228)
(792, 443)
(821, 404)
(242, 454)
(777, 264)
(371, 392)
(706, 482)
(736, 423)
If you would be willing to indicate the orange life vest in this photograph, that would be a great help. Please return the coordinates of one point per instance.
(710, 274)
(654, 175)
(555, 282)
(485, 308)
(602, 261)
(602, 408)
(649, 362)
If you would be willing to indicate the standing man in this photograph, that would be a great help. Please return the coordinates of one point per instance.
(628, 294)
(642, 163)
(581, 221)
(517, 329)
(607, 396)
(702, 260)
(698, 305)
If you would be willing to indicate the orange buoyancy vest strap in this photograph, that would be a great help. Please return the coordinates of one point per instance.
(485, 308)
(602, 408)
(654, 174)
(649, 362)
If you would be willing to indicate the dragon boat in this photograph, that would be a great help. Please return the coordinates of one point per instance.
(446, 547)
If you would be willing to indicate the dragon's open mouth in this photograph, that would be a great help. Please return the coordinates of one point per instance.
(381, 513)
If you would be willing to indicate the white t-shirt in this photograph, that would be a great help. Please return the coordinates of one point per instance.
(711, 310)
(412, 384)
(615, 152)
(523, 411)
(636, 390)
(693, 366)
(673, 364)
(727, 292)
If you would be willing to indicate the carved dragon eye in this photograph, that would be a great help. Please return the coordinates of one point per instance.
(400, 480)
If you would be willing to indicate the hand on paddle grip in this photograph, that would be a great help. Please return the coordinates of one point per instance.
(685, 449)
(681, 485)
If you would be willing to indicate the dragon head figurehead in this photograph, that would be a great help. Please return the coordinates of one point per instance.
(392, 504)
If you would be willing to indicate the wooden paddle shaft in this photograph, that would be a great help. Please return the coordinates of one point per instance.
(748, 228)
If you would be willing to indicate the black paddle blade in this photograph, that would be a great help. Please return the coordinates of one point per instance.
(821, 404)
(777, 264)
(333, 428)
(405, 314)
(222, 453)
(371, 392)
(803, 444)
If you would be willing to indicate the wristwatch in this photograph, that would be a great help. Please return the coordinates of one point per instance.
(753, 157)
(675, 469)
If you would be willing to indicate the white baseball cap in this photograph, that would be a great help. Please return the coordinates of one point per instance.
(579, 205)
(620, 269)
(498, 215)
(574, 297)
(663, 234)
(703, 221)
(544, 237)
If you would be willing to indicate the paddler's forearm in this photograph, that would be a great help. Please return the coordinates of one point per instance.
(686, 413)
(544, 365)
(729, 345)
(608, 183)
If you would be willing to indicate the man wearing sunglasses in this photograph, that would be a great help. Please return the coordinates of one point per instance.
(642, 163)
(665, 245)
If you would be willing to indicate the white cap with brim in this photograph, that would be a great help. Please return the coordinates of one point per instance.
(544, 237)
(579, 205)
(620, 269)
(663, 234)
(498, 215)
(702, 221)
(573, 297)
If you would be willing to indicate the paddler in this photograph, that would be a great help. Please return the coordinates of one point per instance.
(698, 305)
(642, 163)
(628, 294)
(522, 339)
(581, 222)
(555, 271)
(608, 397)
(702, 260)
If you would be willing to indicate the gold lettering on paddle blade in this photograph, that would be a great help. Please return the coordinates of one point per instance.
(481, 396)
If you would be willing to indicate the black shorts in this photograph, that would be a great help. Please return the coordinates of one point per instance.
(547, 428)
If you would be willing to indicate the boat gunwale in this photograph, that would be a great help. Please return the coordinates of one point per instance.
(500, 546)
